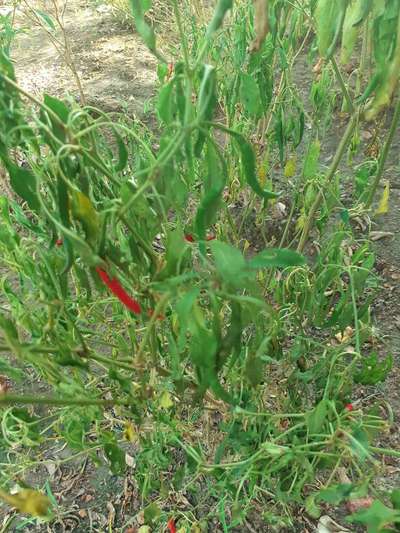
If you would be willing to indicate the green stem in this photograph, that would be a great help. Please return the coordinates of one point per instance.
(343, 86)
(157, 311)
(331, 173)
(385, 451)
(11, 399)
(182, 35)
(385, 153)
(88, 355)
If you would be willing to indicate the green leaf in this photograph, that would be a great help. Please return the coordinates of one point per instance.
(116, 458)
(250, 95)
(122, 153)
(375, 517)
(151, 513)
(335, 494)
(9, 370)
(359, 443)
(165, 106)
(219, 14)
(312, 508)
(47, 19)
(23, 183)
(207, 98)
(74, 432)
(61, 110)
(248, 160)
(276, 257)
(372, 370)
(254, 370)
(10, 335)
(145, 31)
(229, 262)
(311, 161)
(213, 189)
(395, 499)
(175, 252)
(317, 418)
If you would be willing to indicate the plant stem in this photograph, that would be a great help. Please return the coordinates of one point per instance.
(384, 155)
(331, 173)
(88, 355)
(157, 311)
(11, 399)
(385, 451)
(343, 86)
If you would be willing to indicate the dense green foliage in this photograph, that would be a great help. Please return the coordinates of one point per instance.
(131, 284)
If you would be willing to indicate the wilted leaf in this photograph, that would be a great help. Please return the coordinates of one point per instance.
(28, 501)
(327, 525)
(318, 417)
(130, 433)
(376, 517)
(84, 211)
(261, 25)
(290, 167)
(166, 400)
(383, 206)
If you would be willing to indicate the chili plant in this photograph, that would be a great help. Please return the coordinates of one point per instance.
(127, 287)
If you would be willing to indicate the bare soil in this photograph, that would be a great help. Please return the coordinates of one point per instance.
(116, 70)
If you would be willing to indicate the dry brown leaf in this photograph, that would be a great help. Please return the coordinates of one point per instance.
(327, 525)
(376, 235)
(261, 24)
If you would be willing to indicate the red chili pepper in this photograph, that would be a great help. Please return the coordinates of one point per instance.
(349, 407)
(59, 242)
(189, 237)
(117, 289)
(170, 70)
(171, 526)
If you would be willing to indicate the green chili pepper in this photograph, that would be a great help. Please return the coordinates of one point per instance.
(217, 174)
(248, 162)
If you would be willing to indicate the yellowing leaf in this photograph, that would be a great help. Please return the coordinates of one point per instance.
(262, 175)
(175, 324)
(130, 433)
(84, 211)
(301, 221)
(290, 167)
(28, 501)
(383, 206)
(166, 400)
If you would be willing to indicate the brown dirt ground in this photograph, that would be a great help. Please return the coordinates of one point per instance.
(116, 70)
